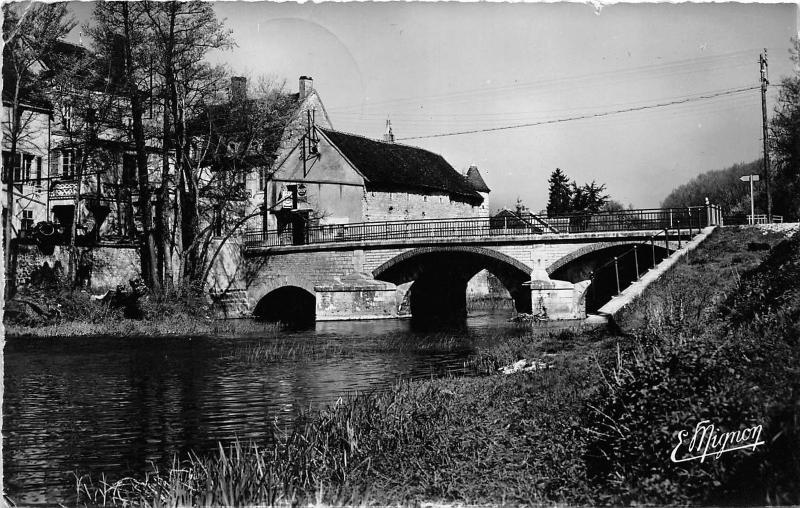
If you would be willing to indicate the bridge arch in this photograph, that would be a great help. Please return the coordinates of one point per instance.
(289, 299)
(585, 250)
(481, 251)
(587, 262)
(440, 274)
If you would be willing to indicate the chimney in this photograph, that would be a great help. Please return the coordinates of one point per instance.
(238, 88)
(388, 136)
(306, 86)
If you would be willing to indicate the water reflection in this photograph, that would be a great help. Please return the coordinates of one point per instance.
(120, 405)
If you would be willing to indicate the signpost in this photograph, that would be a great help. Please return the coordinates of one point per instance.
(751, 179)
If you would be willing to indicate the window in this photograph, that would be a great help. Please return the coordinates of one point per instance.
(241, 178)
(9, 165)
(262, 178)
(38, 171)
(28, 169)
(67, 163)
(27, 220)
(217, 220)
(129, 169)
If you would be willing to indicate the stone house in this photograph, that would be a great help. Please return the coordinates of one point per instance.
(322, 176)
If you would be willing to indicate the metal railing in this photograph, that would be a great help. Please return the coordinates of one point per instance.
(638, 250)
(483, 227)
(742, 220)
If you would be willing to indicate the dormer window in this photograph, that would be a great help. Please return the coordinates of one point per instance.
(66, 116)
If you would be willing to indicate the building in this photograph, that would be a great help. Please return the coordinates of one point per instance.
(75, 150)
(30, 167)
(322, 176)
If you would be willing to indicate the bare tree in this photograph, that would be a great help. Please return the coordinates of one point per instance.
(184, 32)
(29, 34)
(122, 32)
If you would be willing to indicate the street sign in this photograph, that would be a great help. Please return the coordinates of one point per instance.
(751, 179)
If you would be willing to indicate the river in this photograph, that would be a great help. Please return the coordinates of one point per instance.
(119, 406)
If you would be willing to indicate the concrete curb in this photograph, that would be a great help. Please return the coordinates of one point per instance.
(617, 303)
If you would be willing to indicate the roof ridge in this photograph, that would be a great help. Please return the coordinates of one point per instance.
(389, 143)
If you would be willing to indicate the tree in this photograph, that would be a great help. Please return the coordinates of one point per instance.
(785, 142)
(233, 141)
(29, 36)
(84, 123)
(612, 205)
(560, 197)
(588, 198)
(183, 32)
(722, 187)
(121, 34)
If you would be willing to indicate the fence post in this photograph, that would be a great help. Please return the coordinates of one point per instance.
(636, 259)
(653, 245)
(666, 241)
(679, 230)
(591, 285)
(616, 271)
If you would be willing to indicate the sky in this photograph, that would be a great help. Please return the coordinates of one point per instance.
(437, 68)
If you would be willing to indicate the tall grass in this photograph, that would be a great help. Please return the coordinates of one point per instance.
(166, 325)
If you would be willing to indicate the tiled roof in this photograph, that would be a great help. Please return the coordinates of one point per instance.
(476, 180)
(396, 166)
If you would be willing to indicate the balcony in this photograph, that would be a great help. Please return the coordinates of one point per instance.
(65, 189)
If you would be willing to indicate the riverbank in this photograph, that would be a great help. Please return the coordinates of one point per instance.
(53, 311)
(168, 325)
(717, 338)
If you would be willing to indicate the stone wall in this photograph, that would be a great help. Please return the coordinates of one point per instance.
(389, 206)
(99, 268)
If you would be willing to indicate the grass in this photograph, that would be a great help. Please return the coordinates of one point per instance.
(717, 337)
(167, 325)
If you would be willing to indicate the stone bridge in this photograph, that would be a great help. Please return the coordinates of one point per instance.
(383, 278)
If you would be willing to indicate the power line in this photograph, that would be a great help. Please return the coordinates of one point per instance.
(676, 66)
(411, 117)
(586, 116)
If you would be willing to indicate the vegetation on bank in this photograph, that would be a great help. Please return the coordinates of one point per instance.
(717, 339)
(52, 309)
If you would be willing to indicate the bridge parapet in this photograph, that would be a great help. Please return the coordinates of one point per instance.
(514, 225)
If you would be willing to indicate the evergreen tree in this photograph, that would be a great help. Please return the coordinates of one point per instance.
(560, 198)
(587, 198)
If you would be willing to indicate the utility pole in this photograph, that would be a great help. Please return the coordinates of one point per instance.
(762, 61)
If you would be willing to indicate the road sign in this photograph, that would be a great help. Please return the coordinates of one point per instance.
(751, 179)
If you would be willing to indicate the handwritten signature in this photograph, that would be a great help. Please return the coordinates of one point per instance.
(708, 441)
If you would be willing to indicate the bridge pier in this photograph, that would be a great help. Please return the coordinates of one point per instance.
(557, 299)
(356, 296)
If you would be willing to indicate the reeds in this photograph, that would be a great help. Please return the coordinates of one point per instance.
(167, 325)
